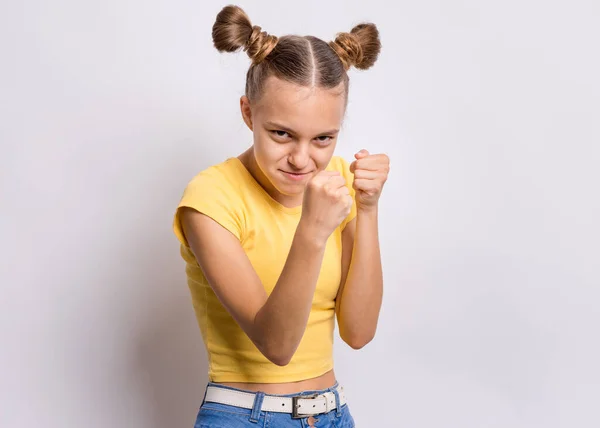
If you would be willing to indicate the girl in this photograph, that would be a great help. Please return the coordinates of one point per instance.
(282, 239)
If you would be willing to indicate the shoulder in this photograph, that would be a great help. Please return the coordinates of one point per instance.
(338, 163)
(217, 192)
(224, 175)
(224, 181)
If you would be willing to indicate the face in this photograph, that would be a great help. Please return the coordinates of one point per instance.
(295, 133)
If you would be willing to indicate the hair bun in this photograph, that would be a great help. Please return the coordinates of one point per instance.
(260, 44)
(233, 30)
(359, 48)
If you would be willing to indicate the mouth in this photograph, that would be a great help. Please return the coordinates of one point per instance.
(295, 176)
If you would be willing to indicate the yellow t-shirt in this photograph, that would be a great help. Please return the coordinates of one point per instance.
(231, 196)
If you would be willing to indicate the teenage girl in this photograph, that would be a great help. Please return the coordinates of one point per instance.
(283, 239)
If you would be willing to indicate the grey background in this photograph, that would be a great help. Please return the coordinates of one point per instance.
(489, 221)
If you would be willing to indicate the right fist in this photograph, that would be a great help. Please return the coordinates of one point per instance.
(326, 203)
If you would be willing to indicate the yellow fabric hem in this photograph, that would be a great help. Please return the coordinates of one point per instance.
(238, 377)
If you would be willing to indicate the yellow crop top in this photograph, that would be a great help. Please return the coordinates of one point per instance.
(231, 196)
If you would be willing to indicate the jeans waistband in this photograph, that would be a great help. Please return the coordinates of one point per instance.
(304, 392)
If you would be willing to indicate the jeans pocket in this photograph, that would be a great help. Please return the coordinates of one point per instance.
(224, 408)
(346, 420)
(216, 415)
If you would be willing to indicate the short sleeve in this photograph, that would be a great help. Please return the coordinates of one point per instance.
(214, 198)
(344, 167)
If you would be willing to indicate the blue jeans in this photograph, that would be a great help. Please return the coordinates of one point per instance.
(217, 415)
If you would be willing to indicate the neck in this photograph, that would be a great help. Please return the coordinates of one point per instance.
(249, 161)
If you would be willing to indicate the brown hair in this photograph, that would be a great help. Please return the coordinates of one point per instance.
(303, 60)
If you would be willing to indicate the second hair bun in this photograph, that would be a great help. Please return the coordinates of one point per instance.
(233, 30)
(359, 48)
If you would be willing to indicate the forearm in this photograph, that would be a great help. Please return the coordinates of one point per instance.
(282, 320)
(362, 294)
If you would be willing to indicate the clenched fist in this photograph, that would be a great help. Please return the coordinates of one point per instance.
(370, 174)
(326, 203)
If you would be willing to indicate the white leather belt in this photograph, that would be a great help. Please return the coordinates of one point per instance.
(300, 406)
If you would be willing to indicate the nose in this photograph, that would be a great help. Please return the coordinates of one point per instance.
(299, 156)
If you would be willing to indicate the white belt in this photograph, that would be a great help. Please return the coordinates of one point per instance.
(299, 406)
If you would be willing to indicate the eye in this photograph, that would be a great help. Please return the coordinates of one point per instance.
(324, 139)
(280, 134)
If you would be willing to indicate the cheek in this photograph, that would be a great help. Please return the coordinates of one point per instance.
(266, 155)
(268, 151)
(323, 157)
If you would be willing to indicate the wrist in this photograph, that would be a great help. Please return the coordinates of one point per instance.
(368, 210)
(310, 236)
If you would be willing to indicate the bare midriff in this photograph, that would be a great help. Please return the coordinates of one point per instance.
(324, 381)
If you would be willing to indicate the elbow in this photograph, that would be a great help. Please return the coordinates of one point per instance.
(279, 357)
(275, 349)
(357, 344)
(356, 341)
(280, 360)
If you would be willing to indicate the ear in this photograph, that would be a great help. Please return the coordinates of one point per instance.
(246, 111)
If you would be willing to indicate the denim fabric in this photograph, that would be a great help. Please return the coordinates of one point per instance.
(216, 415)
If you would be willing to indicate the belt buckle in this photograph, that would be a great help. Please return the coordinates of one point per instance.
(295, 399)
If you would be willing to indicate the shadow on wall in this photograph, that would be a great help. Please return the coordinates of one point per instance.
(126, 346)
(171, 364)
(169, 356)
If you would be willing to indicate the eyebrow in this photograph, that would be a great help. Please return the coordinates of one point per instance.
(290, 131)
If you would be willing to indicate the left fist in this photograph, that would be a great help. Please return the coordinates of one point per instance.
(370, 174)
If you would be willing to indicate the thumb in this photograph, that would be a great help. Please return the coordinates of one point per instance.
(361, 154)
(353, 166)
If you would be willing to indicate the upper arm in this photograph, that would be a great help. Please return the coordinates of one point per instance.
(347, 248)
(348, 231)
(226, 268)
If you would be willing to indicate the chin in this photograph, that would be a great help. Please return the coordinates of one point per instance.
(290, 189)
(287, 189)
